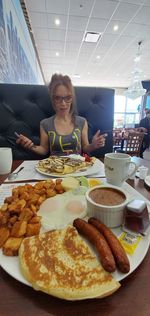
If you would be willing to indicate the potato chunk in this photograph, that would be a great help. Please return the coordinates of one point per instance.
(19, 229)
(33, 229)
(12, 246)
(4, 234)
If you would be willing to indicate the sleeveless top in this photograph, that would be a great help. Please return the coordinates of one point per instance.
(63, 144)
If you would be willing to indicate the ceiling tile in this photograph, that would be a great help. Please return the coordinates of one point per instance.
(77, 23)
(57, 45)
(146, 44)
(125, 11)
(135, 1)
(147, 3)
(35, 5)
(72, 46)
(121, 26)
(81, 8)
(143, 16)
(134, 29)
(104, 9)
(108, 39)
(40, 33)
(70, 55)
(97, 25)
(44, 52)
(57, 6)
(51, 21)
(56, 35)
(75, 36)
(52, 59)
(43, 44)
(38, 19)
(123, 43)
(88, 47)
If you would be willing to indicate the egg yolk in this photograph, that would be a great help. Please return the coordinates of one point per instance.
(75, 207)
(94, 182)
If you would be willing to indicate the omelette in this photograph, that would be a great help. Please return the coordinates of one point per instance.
(60, 263)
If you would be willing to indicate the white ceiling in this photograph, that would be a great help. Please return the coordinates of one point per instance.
(117, 50)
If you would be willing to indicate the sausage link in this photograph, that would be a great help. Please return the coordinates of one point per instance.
(118, 251)
(98, 240)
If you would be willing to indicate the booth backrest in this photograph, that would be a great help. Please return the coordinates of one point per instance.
(22, 107)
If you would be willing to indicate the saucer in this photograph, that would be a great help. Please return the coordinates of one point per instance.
(147, 181)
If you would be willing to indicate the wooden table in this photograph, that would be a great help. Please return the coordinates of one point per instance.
(133, 298)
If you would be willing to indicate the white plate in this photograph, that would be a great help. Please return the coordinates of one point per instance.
(11, 264)
(96, 168)
(147, 181)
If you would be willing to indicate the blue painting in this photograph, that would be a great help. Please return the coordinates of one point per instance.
(18, 62)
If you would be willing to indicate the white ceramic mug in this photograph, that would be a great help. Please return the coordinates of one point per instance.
(117, 167)
(5, 160)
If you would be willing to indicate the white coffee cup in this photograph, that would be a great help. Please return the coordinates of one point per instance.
(5, 160)
(117, 167)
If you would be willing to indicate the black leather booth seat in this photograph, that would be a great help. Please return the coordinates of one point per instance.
(22, 107)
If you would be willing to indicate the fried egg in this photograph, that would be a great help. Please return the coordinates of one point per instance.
(59, 211)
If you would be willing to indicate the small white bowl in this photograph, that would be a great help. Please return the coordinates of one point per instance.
(110, 215)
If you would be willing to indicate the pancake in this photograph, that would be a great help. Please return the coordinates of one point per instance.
(60, 263)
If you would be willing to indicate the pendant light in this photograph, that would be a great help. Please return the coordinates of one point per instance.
(136, 89)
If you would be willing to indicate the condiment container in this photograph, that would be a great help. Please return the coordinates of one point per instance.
(136, 216)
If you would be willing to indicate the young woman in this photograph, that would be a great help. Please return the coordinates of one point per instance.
(65, 132)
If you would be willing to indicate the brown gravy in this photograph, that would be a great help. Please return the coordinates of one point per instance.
(107, 196)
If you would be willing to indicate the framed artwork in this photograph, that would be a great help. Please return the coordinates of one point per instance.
(18, 62)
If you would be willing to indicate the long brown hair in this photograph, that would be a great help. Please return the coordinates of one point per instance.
(57, 80)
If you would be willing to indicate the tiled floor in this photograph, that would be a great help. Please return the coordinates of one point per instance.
(146, 154)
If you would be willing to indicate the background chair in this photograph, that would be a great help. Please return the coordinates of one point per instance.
(133, 144)
(117, 139)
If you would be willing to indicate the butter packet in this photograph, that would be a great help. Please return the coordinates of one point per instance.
(129, 242)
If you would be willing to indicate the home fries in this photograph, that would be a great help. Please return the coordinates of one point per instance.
(18, 214)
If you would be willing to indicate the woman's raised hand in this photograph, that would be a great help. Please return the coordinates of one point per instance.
(25, 142)
(98, 140)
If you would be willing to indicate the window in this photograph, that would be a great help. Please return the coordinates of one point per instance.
(126, 112)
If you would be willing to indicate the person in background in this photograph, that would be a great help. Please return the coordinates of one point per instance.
(144, 126)
(65, 132)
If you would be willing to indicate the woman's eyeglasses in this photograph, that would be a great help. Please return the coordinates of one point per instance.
(59, 99)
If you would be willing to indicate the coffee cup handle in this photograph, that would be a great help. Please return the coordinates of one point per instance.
(135, 169)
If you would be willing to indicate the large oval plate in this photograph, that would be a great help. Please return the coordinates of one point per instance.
(97, 167)
(11, 264)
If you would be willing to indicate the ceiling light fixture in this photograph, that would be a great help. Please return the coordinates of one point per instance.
(116, 27)
(57, 54)
(91, 37)
(136, 89)
(57, 21)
